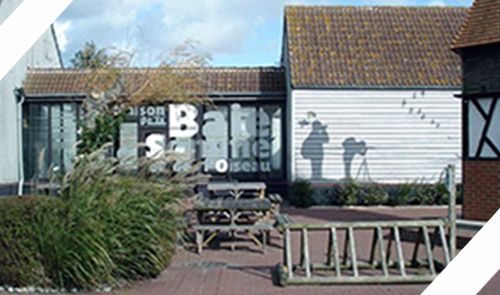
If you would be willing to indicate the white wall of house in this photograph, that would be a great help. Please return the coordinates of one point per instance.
(386, 136)
(44, 53)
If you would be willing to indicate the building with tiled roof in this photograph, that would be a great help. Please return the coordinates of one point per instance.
(43, 53)
(372, 46)
(478, 44)
(482, 26)
(213, 81)
(254, 95)
(362, 93)
(371, 92)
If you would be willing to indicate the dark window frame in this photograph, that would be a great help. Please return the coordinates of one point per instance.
(258, 103)
(488, 116)
(26, 137)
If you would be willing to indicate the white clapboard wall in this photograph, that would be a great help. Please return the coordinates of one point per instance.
(386, 136)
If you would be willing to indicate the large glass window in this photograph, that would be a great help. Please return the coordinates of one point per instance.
(183, 126)
(49, 138)
(243, 141)
(233, 140)
(244, 148)
(270, 140)
(36, 140)
(215, 141)
(63, 132)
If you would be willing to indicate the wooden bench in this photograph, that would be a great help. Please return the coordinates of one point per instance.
(205, 233)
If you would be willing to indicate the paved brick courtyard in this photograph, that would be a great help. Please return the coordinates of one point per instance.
(220, 271)
(247, 271)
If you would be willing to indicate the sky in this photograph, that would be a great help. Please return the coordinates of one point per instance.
(233, 32)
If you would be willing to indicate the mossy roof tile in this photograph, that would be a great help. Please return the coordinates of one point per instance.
(338, 46)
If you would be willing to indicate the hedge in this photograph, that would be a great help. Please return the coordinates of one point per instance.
(371, 194)
(20, 259)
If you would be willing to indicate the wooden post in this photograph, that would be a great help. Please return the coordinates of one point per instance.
(428, 250)
(335, 251)
(264, 241)
(199, 241)
(329, 254)
(452, 209)
(352, 246)
(399, 250)
(388, 251)
(305, 252)
(446, 252)
(288, 252)
(374, 246)
(380, 238)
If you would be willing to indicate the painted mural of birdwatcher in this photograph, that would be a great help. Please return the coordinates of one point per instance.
(312, 148)
(351, 149)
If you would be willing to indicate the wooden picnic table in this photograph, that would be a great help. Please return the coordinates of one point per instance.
(237, 189)
(230, 215)
(232, 209)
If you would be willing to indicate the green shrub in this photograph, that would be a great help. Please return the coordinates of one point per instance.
(441, 191)
(302, 194)
(105, 128)
(20, 261)
(329, 195)
(400, 195)
(105, 228)
(349, 194)
(353, 193)
(374, 194)
(425, 195)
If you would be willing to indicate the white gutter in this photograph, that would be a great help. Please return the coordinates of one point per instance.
(20, 169)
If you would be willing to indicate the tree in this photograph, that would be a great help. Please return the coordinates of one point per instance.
(113, 88)
(90, 57)
(97, 129)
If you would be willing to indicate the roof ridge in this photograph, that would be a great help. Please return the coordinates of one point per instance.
(368, 7)
(139, 69)
(235, 80)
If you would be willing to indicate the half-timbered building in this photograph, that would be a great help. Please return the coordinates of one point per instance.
(478, 44)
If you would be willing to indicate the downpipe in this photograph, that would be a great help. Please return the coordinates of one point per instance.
(19, 94)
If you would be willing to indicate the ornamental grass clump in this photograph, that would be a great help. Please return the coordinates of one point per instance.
(113, 220)
(110, 224)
